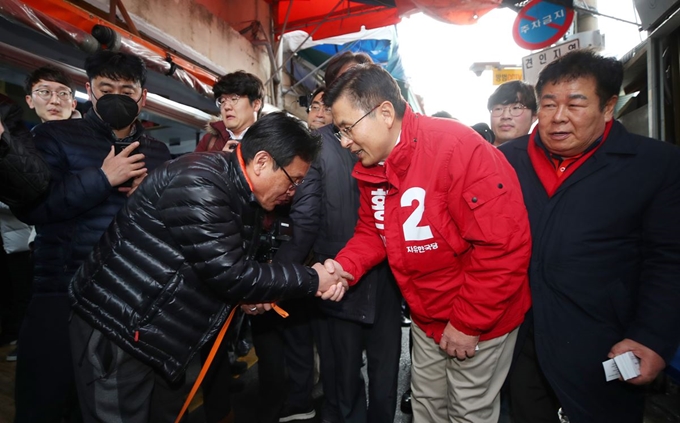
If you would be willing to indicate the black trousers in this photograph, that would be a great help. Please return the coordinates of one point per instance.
(382, 342)
(45, 387)
(115, 387)
(532, 400)
(285, 353)
(16, 278)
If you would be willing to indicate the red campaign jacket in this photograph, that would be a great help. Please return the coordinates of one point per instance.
(446, 209)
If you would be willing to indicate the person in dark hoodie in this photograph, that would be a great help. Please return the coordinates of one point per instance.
(85, 192)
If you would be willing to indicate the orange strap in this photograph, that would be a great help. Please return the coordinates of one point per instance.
(206, 365)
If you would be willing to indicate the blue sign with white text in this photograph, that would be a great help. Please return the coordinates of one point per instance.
(540, 24)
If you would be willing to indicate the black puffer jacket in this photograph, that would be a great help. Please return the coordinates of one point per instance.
(24, 175)
(162, 280)
(80, 203)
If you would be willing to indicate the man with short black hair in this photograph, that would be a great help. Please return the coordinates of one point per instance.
(445, 208)
(240, 97)
(605, 270)
(512, 110)
(51, 93)
(86, 191)
(176, 259)
(318, 114)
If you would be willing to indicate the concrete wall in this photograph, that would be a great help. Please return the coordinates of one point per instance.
(204, 30)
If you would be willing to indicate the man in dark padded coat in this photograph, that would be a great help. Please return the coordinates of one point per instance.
(24, 175)
(87, 188)
(175, 260)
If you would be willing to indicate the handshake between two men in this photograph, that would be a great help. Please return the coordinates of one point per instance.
(333, 283)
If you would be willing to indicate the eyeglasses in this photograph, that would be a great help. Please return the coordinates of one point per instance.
(293, 185)
(316, 108)
(347, 132)
(515, 109)
(47, 94)
(232, 100)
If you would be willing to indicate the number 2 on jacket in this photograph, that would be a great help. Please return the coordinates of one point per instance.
(413, 232)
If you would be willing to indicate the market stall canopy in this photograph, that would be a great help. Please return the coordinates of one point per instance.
(380, 44)
(329, 18)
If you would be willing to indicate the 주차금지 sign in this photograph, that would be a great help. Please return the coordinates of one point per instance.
(540, 24)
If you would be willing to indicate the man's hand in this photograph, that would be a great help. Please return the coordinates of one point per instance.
(335, 268)
(135, 183)
(2, 128)
(457, 344)
(651, 363)
(119, 168)
(331, 286)
(254, 309)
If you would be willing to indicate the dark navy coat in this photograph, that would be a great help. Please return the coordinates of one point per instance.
(80, 203)
(605, 266)
(339, 215)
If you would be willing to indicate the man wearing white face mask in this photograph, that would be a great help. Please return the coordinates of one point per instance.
(87, 189)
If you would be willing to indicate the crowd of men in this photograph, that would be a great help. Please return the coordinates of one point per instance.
(529, 251)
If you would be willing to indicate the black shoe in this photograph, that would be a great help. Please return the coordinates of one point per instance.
(406, 403)
(290, 414)
(238, 367)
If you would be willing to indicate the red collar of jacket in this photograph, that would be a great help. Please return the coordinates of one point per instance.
(544, 167)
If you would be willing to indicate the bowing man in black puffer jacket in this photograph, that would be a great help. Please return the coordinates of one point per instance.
(176, 259)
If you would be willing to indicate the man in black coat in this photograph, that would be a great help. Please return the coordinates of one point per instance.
(24, 175)
(605, 269)
(86, 190)
(368, 319)
(176, 259)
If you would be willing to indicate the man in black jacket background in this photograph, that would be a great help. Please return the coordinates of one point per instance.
(176, 259)
(24, 175)
(84, 194)
(369, 316)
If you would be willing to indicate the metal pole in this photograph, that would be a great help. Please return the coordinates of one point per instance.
(587, 21)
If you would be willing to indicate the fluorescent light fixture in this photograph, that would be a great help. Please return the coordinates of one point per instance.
(82, 96)
(197, 114)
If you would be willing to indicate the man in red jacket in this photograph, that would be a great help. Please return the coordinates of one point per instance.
(445, 208)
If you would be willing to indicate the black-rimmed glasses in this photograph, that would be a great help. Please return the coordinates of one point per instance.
(293, 185)
(347, 132)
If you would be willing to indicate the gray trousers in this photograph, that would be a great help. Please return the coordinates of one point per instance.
(448, 390)
(114, 387)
